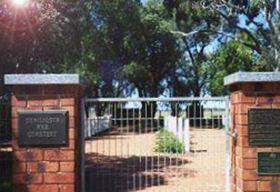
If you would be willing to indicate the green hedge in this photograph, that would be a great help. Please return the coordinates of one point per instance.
(167, 142)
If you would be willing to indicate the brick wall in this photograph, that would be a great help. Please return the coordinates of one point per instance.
(244, 158)
(47, 169)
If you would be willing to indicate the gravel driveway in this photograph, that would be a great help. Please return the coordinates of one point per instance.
(122, 160)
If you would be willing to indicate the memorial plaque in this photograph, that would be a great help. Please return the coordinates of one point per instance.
(43, 128)
(264, 127)
(269, 163)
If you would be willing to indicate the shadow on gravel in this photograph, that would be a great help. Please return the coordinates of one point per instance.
(117, 174)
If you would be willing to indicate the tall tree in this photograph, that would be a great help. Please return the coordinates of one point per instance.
(258, 19)
(262, 26)
(155, 52)
(241, 58)
(189, 18)
(109, 24)
(133, 42)
(42, 36)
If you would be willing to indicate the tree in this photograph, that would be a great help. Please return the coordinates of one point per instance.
(134, 41)
(258, 19)
(155, 51)
(41, 37)
(190, 18)
(241, 58)
(97, 62)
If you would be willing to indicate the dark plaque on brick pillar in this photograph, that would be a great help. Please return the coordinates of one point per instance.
(269, 163)
(264, 127)
(43, 128)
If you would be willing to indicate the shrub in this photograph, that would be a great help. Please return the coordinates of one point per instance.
(167, 142)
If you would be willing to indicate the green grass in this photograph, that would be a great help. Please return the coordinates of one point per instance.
(167, 142)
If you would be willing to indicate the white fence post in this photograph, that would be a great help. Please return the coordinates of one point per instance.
(181, 128)
(173, 125)
(166, 123)
(186, 136)
(98, 124)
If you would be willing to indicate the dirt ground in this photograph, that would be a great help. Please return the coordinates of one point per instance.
(123, 160)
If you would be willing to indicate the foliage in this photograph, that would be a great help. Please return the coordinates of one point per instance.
(245, 32)
(42, 37)
(262, 26)
(167, 142)
(133, 48)
(259, 20)
(152, 51)
(127, 47)
(230, 57)
(189, 17)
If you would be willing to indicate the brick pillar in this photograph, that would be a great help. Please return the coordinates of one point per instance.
(251, 90)
(55, 168)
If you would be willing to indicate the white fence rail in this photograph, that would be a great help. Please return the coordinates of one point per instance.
(97, 125)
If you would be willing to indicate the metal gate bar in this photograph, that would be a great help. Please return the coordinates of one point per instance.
(141, 144)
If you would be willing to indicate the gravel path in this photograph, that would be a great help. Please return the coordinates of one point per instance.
(123, 160)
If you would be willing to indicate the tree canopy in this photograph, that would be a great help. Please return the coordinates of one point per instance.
(149, 49)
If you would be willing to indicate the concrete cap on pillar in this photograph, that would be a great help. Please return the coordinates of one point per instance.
(251, 77)
(44, 79)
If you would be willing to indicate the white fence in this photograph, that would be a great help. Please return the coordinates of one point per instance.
(97, 124)
(181, 128)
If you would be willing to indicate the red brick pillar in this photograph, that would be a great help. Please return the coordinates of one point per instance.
(55, 168)
(251, 90)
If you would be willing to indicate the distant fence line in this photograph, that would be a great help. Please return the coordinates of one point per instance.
(104, 115)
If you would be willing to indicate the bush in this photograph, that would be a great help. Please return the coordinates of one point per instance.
(167, 142)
